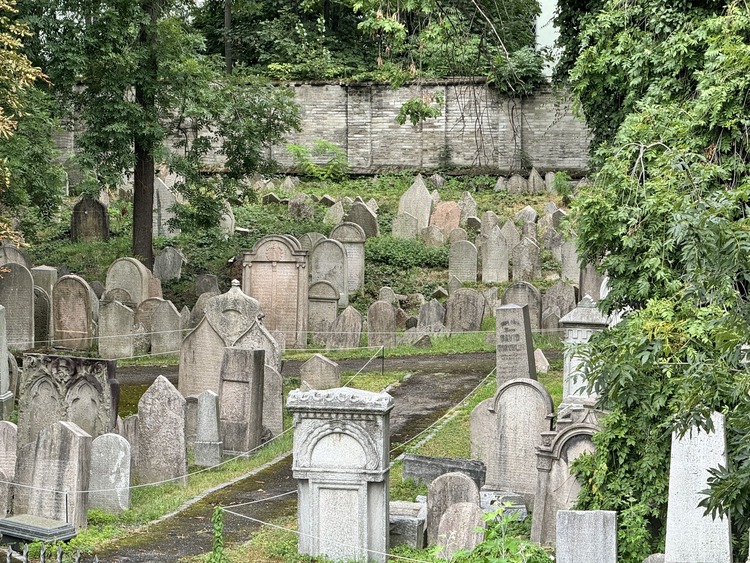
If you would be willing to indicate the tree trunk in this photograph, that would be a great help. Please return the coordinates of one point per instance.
(228, 61)
(143, 204)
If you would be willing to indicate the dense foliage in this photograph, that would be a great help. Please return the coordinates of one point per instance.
(667, 220)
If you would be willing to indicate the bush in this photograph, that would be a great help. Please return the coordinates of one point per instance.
(404, 254)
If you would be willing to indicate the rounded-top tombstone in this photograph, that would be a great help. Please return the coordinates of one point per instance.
(132, 276)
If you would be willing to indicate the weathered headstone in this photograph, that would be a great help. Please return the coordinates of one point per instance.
(273, 401)
(523, 293)
(241, 398)
(527, 263)
(301, 207)
(517, 185)
(446, 216)
(514, 348)
(527, 214)
(144, 315)
(431, 314)
(407, 521)
(42, 317)
(168, 264)
(12, 254)
(319, 373)
(381, 325)
(335, 214)
(309, 240)
(76, 311)
(322, 299)
(60, 474)
(208, 446)
(162, 452)
(345, 330)
(570, 270)
(115, 330)
(90, 221)
(405, 225)
(560, 295)
(45, 277)
(166, 329)
(432, 236)
(468, 207)
(462, 261)
(692, 536)
(132, 276)
(388, 295)
(417, 202)
(425, 469)
(275, 273)
(328, 262)
(591, 282)
(446, 490)
(109, 478)
(17, 296)
(464, 311)
(458, 529)
(457, 235)
(163, 209)
(588, 536)
(494, 257)
(362, 215)
(353, 238)
(341, 435)
(206, 283)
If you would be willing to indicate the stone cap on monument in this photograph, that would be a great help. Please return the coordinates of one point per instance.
(586, 314)
(340, 399)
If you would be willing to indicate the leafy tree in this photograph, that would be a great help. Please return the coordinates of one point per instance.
(667, 219)
(135, 73)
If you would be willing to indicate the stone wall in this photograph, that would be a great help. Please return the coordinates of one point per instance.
(477, 127)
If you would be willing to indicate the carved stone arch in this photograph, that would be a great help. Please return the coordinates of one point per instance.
(351, 429)
(82, 401)
(528, 382)
(571, 432)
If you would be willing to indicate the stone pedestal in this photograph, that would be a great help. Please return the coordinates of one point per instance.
(341, 445)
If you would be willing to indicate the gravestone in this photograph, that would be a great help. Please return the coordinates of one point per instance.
(483, 437)
(231, 320)
(132, 276)
(17, 296)
(587, 536)
(510, 234)
(241, 398)
(489, 222)
(365, 217)
(345, 330)
(523, 293)
(692, 536)
(322, 308)
(417, 202)
(12, 254)
(341, 445)
(61, 462)
(206, 283)
(227, 221)
(559, 295)
(275, 273)
(309, 240)
(542, 364)
(425, 469)
(579, 325)
(556, 488)
(570, 270)
(166, 329)
(457, 235)
(301, 207)
(163, 209)
(8, 432)
(76, 311)
(490, 301)
(494, 257)
(462, 261)
(446, 216)
(468, 207)
(144, 315)
(529, 231)
(381, 325)
(432, 236)
(551, 320)
(517, 185)
(536, 182)
(464, 311)
(45, 277)
(353, 238)
(431, 314)
(42, 317)
(514, 348)
(407, 520)
(405, 226)
(527, 263)
(116, 330)
(446, 490)
(273, 401)
(335, 214)
(388, 295)
(168, 264)
(162, 453)
(319, 373)
(328, 262)
(109, 477)
(208, 446)
(461, 528)
(591, 282)
(527, 214)
(90, 221)
(80, 390)
(523, 410)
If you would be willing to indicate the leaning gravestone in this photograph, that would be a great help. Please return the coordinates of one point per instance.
(132, 276)
(61, 464)
(464, 311)
(328, 262)
(523, 410)
(345, 331)
(446, 217)
(341, 444)
(353, 238)
(322, 308)
(162, 453)
(692, 535)
(461, 528)
(17, 296)
(523, 293)
(587, 536)
(241, 398)
(90, 221)
(274, 272)
(446, 490)
(335, 214)
(319, 373)
(462, 261)
(514, 348)
(76, 312)
(116, 330)
(405, 226)
(208, 447)
(365, 217)
(109, 480)
(168, 264)
(417, 202)
(381, 325)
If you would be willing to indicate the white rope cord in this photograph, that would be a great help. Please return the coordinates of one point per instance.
(380, 350)
(448, 414)
(294, 492)
(343, 544)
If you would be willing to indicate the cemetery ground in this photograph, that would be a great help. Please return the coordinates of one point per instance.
(428, 388)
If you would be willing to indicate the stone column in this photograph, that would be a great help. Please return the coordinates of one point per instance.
(341, 462)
